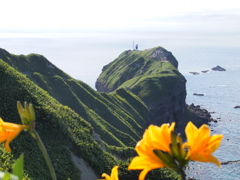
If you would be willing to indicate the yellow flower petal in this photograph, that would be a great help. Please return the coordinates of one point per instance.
(139, 162)
(191, 132)
(214, 142)
(114, 174)
(8, 132)
(214, 160)
(107, 177)
(200, 144)
(143, 174)
(154, 137)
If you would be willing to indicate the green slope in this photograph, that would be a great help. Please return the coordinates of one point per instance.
(136, 65)
(150, 74)
(62, 130)
(117, 117)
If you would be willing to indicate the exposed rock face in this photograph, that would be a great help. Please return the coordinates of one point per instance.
(102, 88)
(171, 108)
(218, 68)
(161, 54)
(87, 173)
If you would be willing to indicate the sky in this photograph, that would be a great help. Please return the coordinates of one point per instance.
(119, 15)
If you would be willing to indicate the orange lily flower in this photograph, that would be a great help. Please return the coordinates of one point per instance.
(201, 145)
(8, 132)
(154, 138)
(114, 174)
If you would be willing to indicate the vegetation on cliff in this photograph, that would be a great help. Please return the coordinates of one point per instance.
(116, 117)
(134, 65)
(69, 114)
(153, 76)
(62, 130)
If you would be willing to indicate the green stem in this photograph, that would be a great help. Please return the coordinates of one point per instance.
(45, 154)
(182, 174)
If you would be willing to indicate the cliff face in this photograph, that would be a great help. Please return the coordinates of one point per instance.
(153, 76)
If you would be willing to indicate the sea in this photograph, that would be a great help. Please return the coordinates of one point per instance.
(82, 55)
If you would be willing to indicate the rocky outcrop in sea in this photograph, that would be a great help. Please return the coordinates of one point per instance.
(218, 68)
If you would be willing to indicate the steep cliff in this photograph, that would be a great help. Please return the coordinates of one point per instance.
(153, 76)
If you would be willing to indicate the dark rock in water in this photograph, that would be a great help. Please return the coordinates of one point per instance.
(237, 107)
(218, 68)
(230, 162)
(191, 178)
(202, 113)
(198, 94)
(205, 71)
(194, 73)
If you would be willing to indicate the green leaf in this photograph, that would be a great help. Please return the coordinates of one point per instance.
(6, 176)
(18, 167)
(164, 157)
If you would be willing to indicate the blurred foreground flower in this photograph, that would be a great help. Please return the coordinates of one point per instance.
(201, 145)
(8, 132)
(161, 147)
(157, 138)
(27, 115)
(114, 174)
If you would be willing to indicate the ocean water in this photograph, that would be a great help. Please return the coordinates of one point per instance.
(82, 55)
(221, 95)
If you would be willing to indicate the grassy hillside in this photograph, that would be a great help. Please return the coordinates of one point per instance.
(67, 120)
(154, 88)
(151, 75)
(140, 64)
(117, 117)
(62, 130)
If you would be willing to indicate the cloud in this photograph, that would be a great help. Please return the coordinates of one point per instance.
(125, 15)
(207, 20)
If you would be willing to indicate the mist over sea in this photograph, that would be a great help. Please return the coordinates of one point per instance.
(82, 56)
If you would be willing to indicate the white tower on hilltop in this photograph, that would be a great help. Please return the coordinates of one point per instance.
(135, 48)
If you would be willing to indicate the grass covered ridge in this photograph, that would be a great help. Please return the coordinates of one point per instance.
(116, 119)
(68, 113)
(62, 130)
(150, 78)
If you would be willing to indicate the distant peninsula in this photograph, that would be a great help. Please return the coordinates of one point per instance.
(153, 76)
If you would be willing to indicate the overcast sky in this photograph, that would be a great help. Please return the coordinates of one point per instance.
(119, 15)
